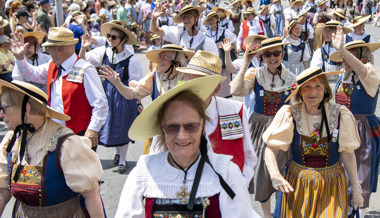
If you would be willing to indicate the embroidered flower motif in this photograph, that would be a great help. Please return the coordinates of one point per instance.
(237, 124)
(224, 126)
(315, 135)
(355, 20)
(230, 125)
(256, 47)
(24, 171)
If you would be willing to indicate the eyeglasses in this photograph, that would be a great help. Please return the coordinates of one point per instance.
(113, 37)
(268, 54)
(2, 108)
(174, 128)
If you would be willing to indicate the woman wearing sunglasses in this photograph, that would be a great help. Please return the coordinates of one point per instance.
(270, 84)
(321, 135)
(122, 111)
(187, 179)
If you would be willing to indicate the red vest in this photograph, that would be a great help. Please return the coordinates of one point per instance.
(246, 30)
(80, 111)
(230, 147)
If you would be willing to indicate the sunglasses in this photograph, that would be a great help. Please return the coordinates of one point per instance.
(173, 129)
(268, 54)
(113, 37)
(2, 108)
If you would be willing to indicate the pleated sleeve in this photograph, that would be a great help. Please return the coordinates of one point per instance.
(348, 132)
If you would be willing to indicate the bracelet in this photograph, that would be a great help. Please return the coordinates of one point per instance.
(139, 104)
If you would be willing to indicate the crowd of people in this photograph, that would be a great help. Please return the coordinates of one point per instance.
(71, 81)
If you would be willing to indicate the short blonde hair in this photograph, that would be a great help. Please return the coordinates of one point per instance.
(15, 98)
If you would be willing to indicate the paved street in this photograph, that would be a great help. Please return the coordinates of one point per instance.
(113, 181)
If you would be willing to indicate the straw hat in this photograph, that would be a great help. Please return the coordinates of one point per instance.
(145, 125)
(205, 64)
(120, 22)
(251, 39)
(112, 3)
(134, 25)
(295, 1)
(80, 3)
(154, 37)
(37, 94)
(303, 12)
(60, 36)
(152, 55)
(106, 29)
(270, 43)
(321, 3)
(178, 18)
(307, 75)
(262, 7)
(244, 1)
(337, 57)
(339, 12)
(234, 2)
(274, 1)
(3, 22)
(332, 23)
(225, 12)
(210, 15)
(75, 13)
(103, 16)
(39, 35)
(358, 20)
(250, 10)
(293, 22)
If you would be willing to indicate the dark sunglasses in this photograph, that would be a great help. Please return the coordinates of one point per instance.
(2, 108)
(113, 37)
(268, 54)
(174, 128)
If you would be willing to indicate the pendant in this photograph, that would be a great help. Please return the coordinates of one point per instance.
(316, 124)
(183, 194)
(272, 85)
(27, 158)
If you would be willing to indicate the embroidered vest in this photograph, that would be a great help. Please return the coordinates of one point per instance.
(267, 102)
(75, 103)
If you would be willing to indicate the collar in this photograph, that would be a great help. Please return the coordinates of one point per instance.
(211, 109)
(69, 63)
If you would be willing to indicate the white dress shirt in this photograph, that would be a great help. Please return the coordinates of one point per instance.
(42, 59)
(228, 34)
(254, 29)
(230, 24)
(92, 86)
(316, 60)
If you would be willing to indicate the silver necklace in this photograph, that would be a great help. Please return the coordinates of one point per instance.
(316, 124)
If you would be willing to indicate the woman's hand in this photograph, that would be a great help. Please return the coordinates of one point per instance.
(34, 14)
(247, 58)
(280, 184)
(357, 200)
(17, 45)
(86, 41)
(227, 46)
(338, 38)
(158, 11)
(110, 74)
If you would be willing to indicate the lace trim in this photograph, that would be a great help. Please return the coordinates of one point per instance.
(299, 115)
(262, 76)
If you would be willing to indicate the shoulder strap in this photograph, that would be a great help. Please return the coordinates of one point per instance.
(58, 151)
(126, 69)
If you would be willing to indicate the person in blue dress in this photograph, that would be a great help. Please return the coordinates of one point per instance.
(277, 10)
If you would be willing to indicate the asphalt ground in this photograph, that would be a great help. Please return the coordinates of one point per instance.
(114, 182)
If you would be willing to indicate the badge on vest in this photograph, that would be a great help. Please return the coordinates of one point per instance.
(76, 75)
(231, 127)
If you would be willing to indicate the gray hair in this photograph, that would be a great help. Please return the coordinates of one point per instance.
(181, 58)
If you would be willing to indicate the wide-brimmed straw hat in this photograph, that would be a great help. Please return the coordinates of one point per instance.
(358, 20)
(60, 36)
(145, 125)
(303, 12)
(225, 12)
(120, 22)
(307, 75)
(103, 16)
(112, 3)
(106, 29)
(274, 1)
(293, 22)
(153, 55)
(295, 1)
(178, 18)
(321, 2)
(205, 64)
(244, 1)
(337, 57)
(339, 12)
(210, 15)
(251, 39)
(270, 43)
(332, 23)
(262, 7)
(250, 10)
(37, 94)
(234, 2)
(39, 35)
(3, 22)
(154, 37)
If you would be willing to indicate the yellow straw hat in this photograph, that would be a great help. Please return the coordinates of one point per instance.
(332, 23)
(234, 2)
(39, 35)
(250, 10)
(60, 36)
(103, 16)
(251, 39)
(107, 27)
(154, 37)
(37, 94)
(321, 3)
(337, 57)
(145, 125)
(244, 1)
(293, 22)
(152, 55)
(303, 12)
(262, 7)
(358, 20)
(120, 22)
(178, 18)
(307, 75)
(225, 12)
(210, 15)
(339, 12)
(203, 63)
(270, 43)
(295, 1)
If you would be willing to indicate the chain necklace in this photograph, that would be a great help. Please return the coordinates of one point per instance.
(27, 156)
(272, 85)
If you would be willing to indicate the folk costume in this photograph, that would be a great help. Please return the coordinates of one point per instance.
(278, 12)
(249, 28)
(224, 20)
(235, 16)
(364, 36)
(268, 21)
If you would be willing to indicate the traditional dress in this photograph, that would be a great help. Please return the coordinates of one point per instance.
(359, 94)
(295, 54)
(161, 185)
(311, 12)
(268, 21)
(227, 24)
(315, 172)
(53, 174)
(270, 94)
(249, 28)
(277, 12)
(236, 17)
(321, 60)
(353, 37)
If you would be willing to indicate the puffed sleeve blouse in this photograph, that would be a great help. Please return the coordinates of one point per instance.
(281, 131)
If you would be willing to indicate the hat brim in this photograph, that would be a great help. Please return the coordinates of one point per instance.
(244, 1)
(233, 2)
(39, 35)
(196, 72)
(106, 29)
(252, 38)
(219, 15)
(72, 42)
(50, 112)
(300, 1)
(321, 3)
(271, 46)
(361, 20)
(145, 126)
(224, 13)
(339, 14)
(261, 10)
(304, 12)
(152, 55)
(320, 30)
(299, 86)
(178, 19)
(337, 57)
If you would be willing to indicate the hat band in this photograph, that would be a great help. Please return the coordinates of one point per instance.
(271, 43)
(173, 48)
(55, 41)
(30, 92)
(353, 44)
(299, 82)
(202, 69)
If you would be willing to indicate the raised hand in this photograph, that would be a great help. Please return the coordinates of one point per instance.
(338, 38)
(247, 58)
(86, 41)
(17, 45)
(158, 10)
(110, 74)
(227, 46)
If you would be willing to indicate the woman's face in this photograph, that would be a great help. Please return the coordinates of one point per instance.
(297, 5)
(30, 50)
(358, 30)
(213, 22)
(182, 145)
(312, 92)
(322, 7)
(23, 19)
(116, 42)
(327, 33)
(165, 58)
(11, 115)
(188, 20)
(273, 62)
(296, 30)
